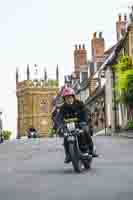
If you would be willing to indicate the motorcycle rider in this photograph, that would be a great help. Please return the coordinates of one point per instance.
(75, 108)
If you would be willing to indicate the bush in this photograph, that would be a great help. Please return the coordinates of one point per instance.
(6, 134)
(129, 125)
(51, 132)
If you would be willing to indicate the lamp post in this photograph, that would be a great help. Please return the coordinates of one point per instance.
(1, 135)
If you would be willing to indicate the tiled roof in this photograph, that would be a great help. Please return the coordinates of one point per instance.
(108, 51)
(99, 91)
(116, 50)
(111, 58)
(84, 84)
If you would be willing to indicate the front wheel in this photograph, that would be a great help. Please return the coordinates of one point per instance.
(76, 162)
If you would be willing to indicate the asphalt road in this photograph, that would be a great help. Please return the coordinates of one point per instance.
(35, 170)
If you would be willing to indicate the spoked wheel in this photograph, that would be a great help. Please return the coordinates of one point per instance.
(76, 162)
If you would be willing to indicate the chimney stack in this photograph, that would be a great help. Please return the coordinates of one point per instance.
(125, 18)
(97, 47)
(119, 17)
(100, 35)
(83, 46)
(94, 34)
(121, 26)
(80, 58)
(76, 46)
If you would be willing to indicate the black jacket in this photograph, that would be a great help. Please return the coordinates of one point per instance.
(77, 109)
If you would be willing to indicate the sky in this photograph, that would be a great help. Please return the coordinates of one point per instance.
(44, 32)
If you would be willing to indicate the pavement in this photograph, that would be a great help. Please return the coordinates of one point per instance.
(127, 134)
(101, 132)
(34, 170)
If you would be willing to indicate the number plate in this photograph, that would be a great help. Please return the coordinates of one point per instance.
(71, 126)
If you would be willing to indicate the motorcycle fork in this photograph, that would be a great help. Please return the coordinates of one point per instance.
(79, 151)
(78, 148)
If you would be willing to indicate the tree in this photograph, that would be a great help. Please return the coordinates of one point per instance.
(124, 83)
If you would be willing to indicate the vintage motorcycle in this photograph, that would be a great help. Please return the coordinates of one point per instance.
(79, 153)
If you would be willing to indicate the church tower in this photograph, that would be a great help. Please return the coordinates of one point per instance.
(34, 101)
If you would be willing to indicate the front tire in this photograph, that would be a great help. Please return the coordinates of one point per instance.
(76, 162)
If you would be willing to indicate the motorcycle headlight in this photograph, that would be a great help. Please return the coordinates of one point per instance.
(71, 126)
(65, 134)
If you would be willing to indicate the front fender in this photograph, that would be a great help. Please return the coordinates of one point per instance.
(74, 141)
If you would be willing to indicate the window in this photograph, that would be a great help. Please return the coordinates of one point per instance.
(20, 105)
(44, 105)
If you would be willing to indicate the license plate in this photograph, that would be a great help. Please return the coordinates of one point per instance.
(71, 126)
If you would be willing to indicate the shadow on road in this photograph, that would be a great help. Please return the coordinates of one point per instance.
(61, 171)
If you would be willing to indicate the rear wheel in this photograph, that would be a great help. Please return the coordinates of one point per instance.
(76, 162)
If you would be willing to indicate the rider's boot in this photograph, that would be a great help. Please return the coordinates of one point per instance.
(67, 159)
(92, 150)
